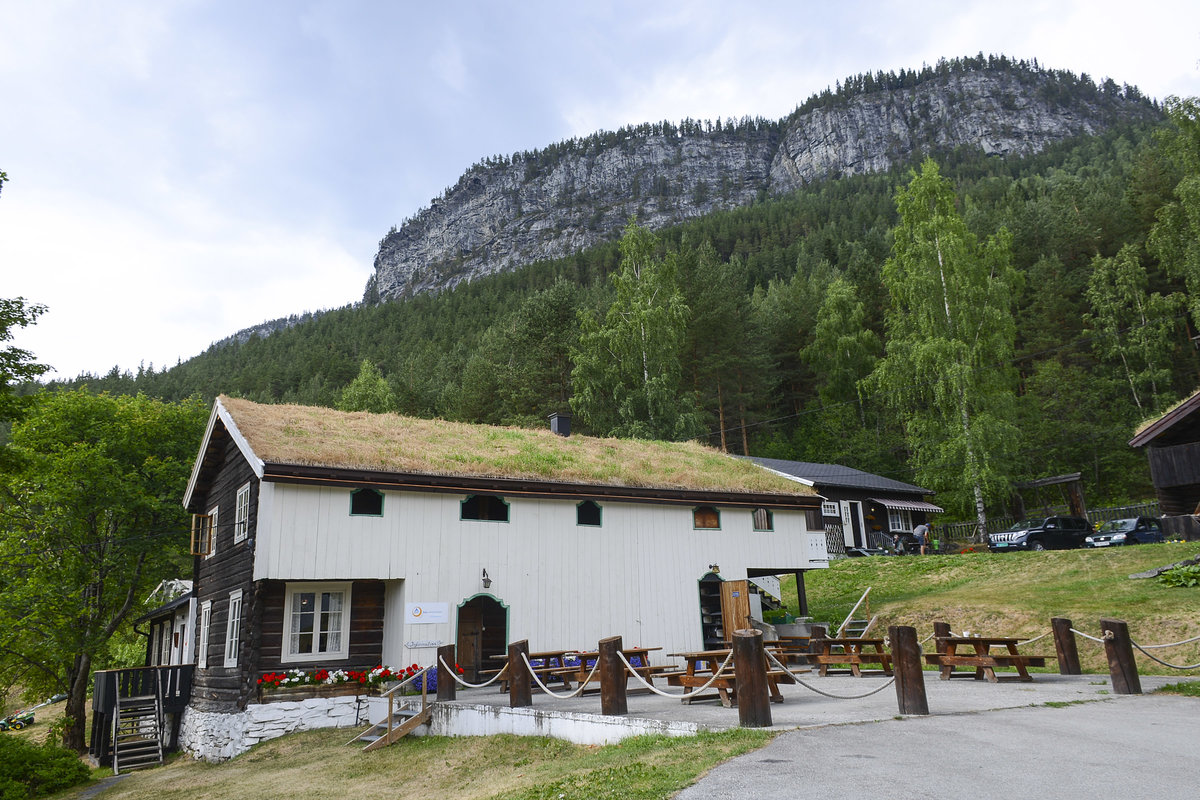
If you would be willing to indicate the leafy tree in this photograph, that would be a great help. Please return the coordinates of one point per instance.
(16, 364)
(369, 391)
(1133, 328)
(89, 523)
(947, 371)
(1175, 237)
(627, 368)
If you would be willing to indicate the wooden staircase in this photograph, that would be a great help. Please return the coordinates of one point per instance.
(137, 733)
(401, 720)
(857, 627)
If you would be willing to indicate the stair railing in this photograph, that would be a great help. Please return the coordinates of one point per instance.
(390, 694)
(850, 616)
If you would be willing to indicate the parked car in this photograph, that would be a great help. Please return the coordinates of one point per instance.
(1133, 530)
(1041, 533)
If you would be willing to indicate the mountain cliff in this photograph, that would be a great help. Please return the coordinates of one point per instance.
(505, 212)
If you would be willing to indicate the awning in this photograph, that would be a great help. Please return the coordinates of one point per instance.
(908, 505)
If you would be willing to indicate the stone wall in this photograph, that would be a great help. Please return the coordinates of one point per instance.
(215, 736)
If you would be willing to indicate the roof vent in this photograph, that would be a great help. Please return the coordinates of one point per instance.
(560, 424)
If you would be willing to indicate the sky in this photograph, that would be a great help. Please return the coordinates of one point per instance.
(182, 169)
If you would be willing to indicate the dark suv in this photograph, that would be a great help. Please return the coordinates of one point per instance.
(1041, 533)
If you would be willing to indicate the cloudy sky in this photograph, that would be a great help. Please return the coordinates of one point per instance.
(181, 169)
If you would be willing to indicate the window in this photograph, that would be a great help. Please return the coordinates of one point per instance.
(764, 520)
(485, 507)
(587, 513)
(830, 509)
(212, 532)
(366, 503)
(899, 519)
(241, 521)
(318, 621)
(205, 622)
(813, 520)
(201, 534)
(706, 517)
(233, 628)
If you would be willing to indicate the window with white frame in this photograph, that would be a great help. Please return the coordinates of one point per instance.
(899, 519)
(205, 623)
(241, 521)
(830, 509)
(317, 622)
(233, 628)
(212, 532)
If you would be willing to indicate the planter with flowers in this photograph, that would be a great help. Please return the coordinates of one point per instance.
(298, 684)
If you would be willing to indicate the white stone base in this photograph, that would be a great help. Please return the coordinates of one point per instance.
(468, 719)
(215, 736)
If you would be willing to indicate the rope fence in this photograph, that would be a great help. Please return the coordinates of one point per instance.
(490, 681)
(720, 673)
(784, 667)
(578, 691)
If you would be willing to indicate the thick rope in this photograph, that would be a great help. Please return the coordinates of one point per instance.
(582, 685)
(1035, 639)
(1093, 638)
(1160, 661)
(493, 679)
(827, 694)
(1172, 644)
(720, 673)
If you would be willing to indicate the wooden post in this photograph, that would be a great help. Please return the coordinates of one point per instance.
(1064, 646)
(940, 629)
(910, 678)
(1121, 664)
(613, 680)
(446, 683)
(750, 667)
(816, 634)
(520, 693)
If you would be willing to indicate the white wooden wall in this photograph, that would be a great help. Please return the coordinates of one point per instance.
(566, 586)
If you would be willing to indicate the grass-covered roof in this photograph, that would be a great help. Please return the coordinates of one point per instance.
(322, 437)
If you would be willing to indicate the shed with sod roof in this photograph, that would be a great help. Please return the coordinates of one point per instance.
(334, 540)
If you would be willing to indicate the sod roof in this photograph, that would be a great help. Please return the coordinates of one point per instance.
(322, 437)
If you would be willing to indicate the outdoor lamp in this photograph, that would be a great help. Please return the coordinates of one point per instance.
(487, 582)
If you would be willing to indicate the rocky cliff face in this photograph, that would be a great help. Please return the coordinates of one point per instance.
(556, 202)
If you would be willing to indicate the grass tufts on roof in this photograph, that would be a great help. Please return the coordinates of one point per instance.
(313, 436)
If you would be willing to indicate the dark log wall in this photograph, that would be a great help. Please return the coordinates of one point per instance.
(366, 629)
(230, 567)
(1175, 466)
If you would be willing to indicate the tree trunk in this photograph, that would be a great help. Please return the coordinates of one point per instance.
(721, 418)
(74, 734)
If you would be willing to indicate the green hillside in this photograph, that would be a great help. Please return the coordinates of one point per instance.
(1016, 594)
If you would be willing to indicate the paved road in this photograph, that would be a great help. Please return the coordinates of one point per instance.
(1125, 747)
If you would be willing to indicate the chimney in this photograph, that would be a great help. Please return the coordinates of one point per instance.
(560, 424)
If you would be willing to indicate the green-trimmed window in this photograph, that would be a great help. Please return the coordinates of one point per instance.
(706, 518)
(366, 503)
(487, 507)
(764, 520)
(588, 513)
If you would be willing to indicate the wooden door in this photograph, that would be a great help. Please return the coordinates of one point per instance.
(470, 633)
(735, 607)
(482, 633)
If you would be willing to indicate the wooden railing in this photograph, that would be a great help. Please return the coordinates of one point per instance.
(172, 685)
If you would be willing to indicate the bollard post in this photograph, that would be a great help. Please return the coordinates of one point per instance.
(520, 693)
(906, 663)
(815, 635)
(613, 680)
(446, 683)
(750, 667)
(1064, 646)
(1121, 665)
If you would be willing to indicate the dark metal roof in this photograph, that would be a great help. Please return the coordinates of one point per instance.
(837, 475)
(166, 608)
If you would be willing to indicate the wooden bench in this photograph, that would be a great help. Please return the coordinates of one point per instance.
(851, 655)
(982, 659)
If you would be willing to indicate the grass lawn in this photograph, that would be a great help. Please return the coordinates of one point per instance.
(1016, 594)
(319, 763)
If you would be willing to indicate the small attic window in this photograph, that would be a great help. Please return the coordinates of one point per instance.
(487, 507)
(366, 503)
(764, 520)
(588, 513)
(706, 518)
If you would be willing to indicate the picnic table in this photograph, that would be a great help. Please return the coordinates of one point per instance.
(701, 666)
(976, 651)
(548, 665)
(790, 648)
(851, 654)
(639, 657)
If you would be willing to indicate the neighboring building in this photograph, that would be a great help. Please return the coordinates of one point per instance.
(171, 625)
(338, 540)
(859, 509)
(1172, 443)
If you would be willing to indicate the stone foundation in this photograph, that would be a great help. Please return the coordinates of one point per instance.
(215, 736)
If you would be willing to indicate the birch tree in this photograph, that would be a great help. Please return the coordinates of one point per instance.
(949, 343)
(627, 375)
